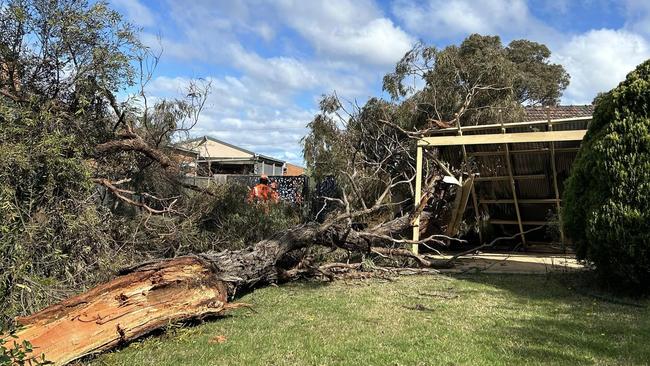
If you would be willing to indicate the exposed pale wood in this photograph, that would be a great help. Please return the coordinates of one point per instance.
(523, 151)
(504, 138)
(477, 214)
(512, 124)
(505, 177)
(418, 197)
(521, 200)
(124, 309)
(460, 204)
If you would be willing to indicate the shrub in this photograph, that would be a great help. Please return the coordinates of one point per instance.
(238, 223)
(607, 199)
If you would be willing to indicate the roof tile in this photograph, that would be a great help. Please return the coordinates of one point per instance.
(557, 112)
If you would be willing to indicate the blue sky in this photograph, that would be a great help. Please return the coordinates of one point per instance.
(270, 61)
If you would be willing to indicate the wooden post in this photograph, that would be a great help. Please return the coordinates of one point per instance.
(460, 204)
(513, 187)
(418, 197)
(477, 214)
(555, 185)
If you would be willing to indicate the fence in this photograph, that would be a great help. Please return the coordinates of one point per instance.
(292, 189)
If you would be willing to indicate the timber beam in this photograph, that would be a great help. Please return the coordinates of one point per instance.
(503, 138)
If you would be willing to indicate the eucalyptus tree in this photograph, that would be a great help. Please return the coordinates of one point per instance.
(63, 131)
(367, 148)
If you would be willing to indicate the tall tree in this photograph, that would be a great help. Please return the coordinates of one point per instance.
(63, 131)
(477, 82)
(480, 81)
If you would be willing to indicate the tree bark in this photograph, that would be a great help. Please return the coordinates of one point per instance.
(151, 295)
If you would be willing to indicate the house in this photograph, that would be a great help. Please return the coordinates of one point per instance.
(292, 170)
(215, 156)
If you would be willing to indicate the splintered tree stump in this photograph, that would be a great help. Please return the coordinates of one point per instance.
(124, 309)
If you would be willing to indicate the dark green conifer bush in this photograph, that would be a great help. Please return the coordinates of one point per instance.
(607, 198)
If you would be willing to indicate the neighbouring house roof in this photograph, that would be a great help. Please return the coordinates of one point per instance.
(210, 148)
(294, 170)
(557, 112)
(184, 151)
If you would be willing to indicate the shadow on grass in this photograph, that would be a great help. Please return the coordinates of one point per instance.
(562, 319)
(555, 285)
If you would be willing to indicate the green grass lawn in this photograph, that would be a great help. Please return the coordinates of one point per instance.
(420, 320)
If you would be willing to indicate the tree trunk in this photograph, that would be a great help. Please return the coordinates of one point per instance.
(154, 294)
(125, 308)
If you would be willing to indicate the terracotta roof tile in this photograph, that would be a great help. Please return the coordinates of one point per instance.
(558, 112)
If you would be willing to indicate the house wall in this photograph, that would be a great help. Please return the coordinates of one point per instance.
(268, 168)
(222, 156)
(186, 161)
(294, 170)
(214, 149)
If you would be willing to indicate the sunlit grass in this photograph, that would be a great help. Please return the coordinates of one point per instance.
(427, 320)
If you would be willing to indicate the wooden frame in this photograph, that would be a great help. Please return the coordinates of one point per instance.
(504, 138)
(498, 126)
(524, 151)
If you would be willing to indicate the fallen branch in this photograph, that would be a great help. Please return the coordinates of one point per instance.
(401, 252)
(490, 244)
(121, 194)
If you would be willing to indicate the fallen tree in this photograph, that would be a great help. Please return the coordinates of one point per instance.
(151, 295)
(126, 148)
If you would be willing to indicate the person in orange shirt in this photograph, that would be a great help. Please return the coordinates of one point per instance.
(263, 192)
(275, 196)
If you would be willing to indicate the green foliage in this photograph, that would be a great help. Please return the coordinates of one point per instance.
(607, 205)
(238, 223)
(322, 150)
(18, 354)
(57, 59)
(480, 81)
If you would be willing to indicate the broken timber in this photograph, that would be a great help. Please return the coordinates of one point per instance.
(503, 138)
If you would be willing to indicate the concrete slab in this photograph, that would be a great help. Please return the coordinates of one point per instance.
(514, 263)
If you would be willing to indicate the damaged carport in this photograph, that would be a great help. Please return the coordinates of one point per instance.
(520, 169)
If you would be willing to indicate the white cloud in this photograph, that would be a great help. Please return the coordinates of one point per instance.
(136, 13)
(446, 19)
(598, 60)
(347, 29)
(285, 72)
(638, 16)
(238, 112)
